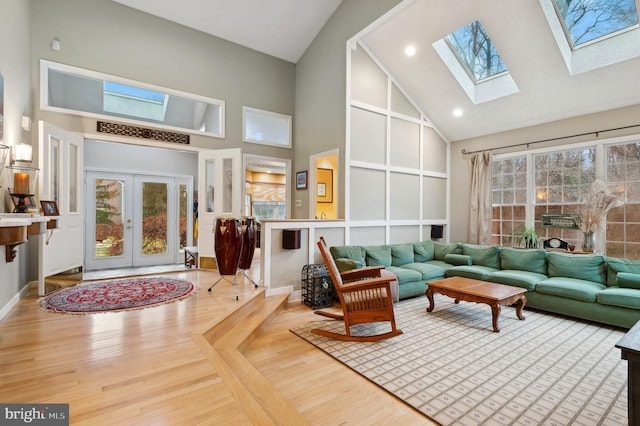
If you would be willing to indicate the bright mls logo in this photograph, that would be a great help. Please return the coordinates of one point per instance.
(37, 414)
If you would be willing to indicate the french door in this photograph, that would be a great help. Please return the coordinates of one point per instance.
(136, 220)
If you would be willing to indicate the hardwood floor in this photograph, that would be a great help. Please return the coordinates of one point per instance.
(206, 359)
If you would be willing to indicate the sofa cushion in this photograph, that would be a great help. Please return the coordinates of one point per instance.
(346, 264)
(429, 272)
(517, 278)
(523, 260)
(401, 254)
(617, 296)
(442, 249)
(483, 255)
(458, 259)
(579, 266)
(440, 264)
(405, 275)
(378, 256)
(423, 252)
(615, 265)
(356, 253)
(477, 272)
(572, 288)
(627, 280)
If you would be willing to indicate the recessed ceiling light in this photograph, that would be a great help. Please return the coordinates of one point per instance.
(457, 112)
(410, 50)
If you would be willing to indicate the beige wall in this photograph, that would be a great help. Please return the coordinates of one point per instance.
(460, 178)
(105, 36)
(319, 123)
(15, 64)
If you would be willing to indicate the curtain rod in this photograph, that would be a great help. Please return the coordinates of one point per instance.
(597, 133)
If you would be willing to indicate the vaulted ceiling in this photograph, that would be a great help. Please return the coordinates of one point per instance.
(546, 89)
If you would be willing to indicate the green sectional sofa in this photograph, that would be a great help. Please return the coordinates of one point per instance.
(587, 286)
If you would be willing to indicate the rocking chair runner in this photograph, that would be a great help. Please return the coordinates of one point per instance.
(365, 297)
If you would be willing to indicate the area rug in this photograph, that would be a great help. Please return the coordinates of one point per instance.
(451, 366)
(116, 295)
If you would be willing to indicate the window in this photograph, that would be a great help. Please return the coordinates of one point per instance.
(88, 93)
(474, 62)
(266, 127)
(509, 189)
(623, 223)
(562, 179)
(590, 20)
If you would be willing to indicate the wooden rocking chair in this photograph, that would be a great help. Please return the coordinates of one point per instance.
(365, 297)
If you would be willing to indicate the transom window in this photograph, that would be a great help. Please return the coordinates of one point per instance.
(134, 101)
(585, 21)
(476, 52)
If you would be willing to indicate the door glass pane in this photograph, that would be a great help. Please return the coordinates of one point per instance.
(73, 179)
(154, 218)
(54, 171)
(108, 212)
(210, 184)
(227, 192)
(183, 212)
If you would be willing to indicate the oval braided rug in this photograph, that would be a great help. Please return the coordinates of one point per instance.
(116, 295)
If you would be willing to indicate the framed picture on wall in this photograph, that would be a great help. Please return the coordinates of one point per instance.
(301, 180)
(325, 186)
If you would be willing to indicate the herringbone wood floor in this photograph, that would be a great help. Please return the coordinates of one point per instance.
(150, 366)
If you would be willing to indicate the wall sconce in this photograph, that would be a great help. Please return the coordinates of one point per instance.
(22, 152)
(4, 153)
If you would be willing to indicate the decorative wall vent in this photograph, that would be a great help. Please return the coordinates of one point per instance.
(141, 132)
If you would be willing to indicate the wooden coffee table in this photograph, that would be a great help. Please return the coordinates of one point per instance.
(470, 290)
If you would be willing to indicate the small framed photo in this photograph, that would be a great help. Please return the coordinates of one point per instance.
(49, 208)
(301, 180)
(28, 201)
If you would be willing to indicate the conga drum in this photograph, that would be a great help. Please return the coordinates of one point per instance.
(228, 244)
(247, 224)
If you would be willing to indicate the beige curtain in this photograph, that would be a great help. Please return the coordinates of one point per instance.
(481, 199)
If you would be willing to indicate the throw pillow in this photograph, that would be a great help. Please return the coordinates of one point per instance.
(401, 254)
(615, 266)
(583, 267)
(523, 260)
(378, 256)
(442, 249)
(345, 264)
(628, 280)
(423, 252)
(356, 253)
(458, 259)
(488, 256)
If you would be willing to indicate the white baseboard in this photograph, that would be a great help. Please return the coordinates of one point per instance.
(294, 296)
(13, 302)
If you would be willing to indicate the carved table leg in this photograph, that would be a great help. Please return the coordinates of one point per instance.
(429, 294)
(495, 312)
(519, 306)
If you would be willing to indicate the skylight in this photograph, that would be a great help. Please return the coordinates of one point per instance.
(585, 21)
(474, 62)
(134, 101)
(477, 53)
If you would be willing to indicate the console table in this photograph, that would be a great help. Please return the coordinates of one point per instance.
(630, 347)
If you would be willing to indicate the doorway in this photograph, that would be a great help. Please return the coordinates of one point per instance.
(136, 219)
(324, 184)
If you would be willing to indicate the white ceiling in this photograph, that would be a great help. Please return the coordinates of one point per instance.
(518, 29)
(280, 28)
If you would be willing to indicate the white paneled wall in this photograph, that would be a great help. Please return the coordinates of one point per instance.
(397, 176)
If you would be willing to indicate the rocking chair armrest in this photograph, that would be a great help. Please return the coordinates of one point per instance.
(366, 284)
(361, 273)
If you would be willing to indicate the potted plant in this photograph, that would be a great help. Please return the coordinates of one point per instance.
(529, 237)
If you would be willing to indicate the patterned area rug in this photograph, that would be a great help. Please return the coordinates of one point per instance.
(116, 295)
(451, 366)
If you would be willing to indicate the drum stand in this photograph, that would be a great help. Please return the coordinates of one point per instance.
(224, 277)
(244, 272)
